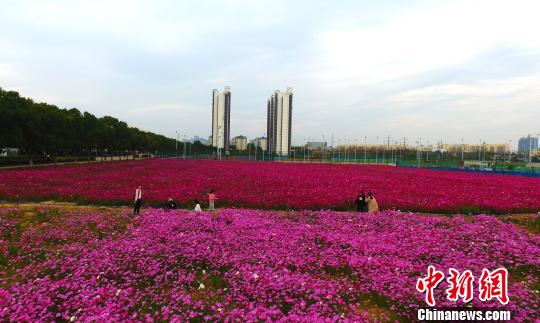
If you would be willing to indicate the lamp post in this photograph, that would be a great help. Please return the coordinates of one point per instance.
(427, 152)
(185, 139)
(462, 150)
(355, 149)
(305, 146)
(365, 149)
(323, 149)
(338, 151)
(176, 141)
(509, 153)
(479, 154)
(377, 151)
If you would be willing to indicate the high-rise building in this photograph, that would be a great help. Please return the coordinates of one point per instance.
(239, 142)
(221, 118)
(279, 122)
(526, 144)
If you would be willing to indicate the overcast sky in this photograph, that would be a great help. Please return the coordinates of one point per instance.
(439, 70)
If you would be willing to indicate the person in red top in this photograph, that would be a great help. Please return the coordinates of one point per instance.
(211, 200)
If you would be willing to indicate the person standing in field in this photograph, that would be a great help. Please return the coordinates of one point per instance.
(361, 204)
(372, 205)
(197, 207)
(138, 200)
(211, 200)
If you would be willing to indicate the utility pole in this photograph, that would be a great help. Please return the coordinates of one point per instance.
(332, 145)
(377, 151)
(355, 149)
(479, 152)
(176, 144)
(365, 149)
(462, 147)
(185, 139)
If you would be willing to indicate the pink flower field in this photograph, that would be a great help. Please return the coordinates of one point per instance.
(274, 186)
(247, 265)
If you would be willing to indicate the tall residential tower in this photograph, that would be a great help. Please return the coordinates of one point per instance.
(279, 122)
(221, 118)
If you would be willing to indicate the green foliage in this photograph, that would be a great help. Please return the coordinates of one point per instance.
(40, 128)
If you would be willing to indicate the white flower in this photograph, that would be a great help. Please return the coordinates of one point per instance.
(71, 319)
(255, 276)
(201, 286)
(118, 292)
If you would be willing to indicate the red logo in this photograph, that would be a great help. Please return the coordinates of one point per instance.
(460, 285)
(429, 283)
(494, 285)
(491, 285)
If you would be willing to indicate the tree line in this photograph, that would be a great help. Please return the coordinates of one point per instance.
(39, 129)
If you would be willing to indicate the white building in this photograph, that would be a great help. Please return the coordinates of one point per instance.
(221, 118)
(259, 142)
(279, 122)
(240, 142)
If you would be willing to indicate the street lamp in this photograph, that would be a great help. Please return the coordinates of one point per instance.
(355, 149)
(479, 154)
(185, 139)
(462, 147)
(323, 149)
(176, 143)
(365, 149)
(305, 146)
(377, 151)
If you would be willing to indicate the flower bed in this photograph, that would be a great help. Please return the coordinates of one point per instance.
(253, 265)
(275, 186)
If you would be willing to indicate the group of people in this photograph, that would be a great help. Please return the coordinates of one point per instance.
(171, 204)
(366, 203)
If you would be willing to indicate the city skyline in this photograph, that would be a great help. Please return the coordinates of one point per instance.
(440, 70)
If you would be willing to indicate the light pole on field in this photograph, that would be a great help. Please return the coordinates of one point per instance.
(462, 147)
(176, 141)
(339, 150)
(365, 149)
(355, 149)
(185, 139)
(479, 154)
(509, 153)
(377, 151)
(305, 146)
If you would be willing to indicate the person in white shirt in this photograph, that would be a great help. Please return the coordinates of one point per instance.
(197, 206)
(138, 200)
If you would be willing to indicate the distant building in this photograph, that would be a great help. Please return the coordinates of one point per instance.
(259, 142)
(240, 142)
(527, 143)
(279, 122)
(499, 149)
(316, 145)
(202, 140)
(221, 118)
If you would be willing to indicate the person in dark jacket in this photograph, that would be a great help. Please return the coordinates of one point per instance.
(170, 205)
(361, 203)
